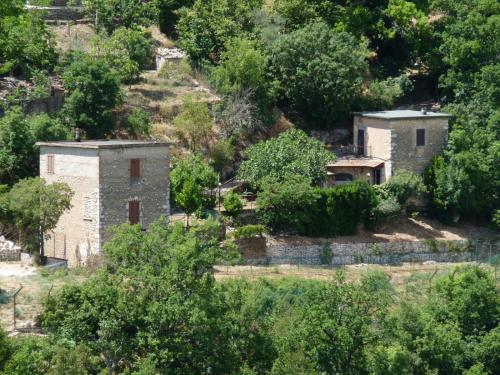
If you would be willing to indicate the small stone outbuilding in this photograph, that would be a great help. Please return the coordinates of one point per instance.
(387, 141)
(114, 182)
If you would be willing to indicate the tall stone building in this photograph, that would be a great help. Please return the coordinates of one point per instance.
(114, 182)
(387, 141)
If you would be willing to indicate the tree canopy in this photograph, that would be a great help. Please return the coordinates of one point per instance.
(291, 153)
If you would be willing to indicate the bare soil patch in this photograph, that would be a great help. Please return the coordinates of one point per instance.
(405, 229)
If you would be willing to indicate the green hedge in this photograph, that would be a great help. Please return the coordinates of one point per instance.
(331, 212)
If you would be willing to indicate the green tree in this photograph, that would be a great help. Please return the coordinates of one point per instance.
(37, 206)
(18, 134)
(113, 14)
(319, 72)
(291, 153)
(189, 198)
(205, 27)
(17, 154)
(194, 121)
(177, 324)
(242, 67)
(26, 45)
(192, 168)
(93, 92)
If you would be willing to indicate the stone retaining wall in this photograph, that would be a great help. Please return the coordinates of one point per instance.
(379, 253)
(9, 251)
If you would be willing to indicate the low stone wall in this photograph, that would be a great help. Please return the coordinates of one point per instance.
(379, 253)
(9, 251)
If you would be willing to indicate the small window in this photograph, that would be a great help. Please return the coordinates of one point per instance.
(133, 212)
(87, 207)
(50, 164)
(135, 168)
(420, 137)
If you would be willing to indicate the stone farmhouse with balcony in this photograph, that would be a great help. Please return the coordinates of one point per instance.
(113, 181)
(387, 141)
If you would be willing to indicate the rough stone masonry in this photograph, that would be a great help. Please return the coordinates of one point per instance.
(114, 182)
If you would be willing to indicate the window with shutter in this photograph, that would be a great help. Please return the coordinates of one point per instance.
(420, 137)
(50, 164)
(133, 212)
(135, 168)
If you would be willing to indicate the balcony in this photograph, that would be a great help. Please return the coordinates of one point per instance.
(351, 151)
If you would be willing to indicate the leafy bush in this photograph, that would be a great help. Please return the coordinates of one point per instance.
(233, 204)
(127, 51)
(194, 121)
(404, 185)
(249, 231)
(386, 209)
(37, 206)
(291, 153)
(294, 206)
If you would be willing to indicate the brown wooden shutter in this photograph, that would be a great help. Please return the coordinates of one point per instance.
(50, 164)
(420, 137)
(133, 212)
(135, 168)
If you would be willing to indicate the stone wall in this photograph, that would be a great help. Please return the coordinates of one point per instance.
(405, 154)
(336, 254)
(9, 251)
(117, 189)
(76, 235)
(49, 105)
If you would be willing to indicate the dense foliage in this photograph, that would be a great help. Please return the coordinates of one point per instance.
(294, 206)
(291, 153)
(196, 170)
(318, 72)
(25, 42)
(93, 92)
(155, 308)
(113, 14)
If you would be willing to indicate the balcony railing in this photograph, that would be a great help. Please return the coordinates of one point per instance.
(351, 150)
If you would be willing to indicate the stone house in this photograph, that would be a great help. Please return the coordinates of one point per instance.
(113, 181)
(387, 141)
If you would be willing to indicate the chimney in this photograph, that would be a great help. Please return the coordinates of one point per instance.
(77, 135)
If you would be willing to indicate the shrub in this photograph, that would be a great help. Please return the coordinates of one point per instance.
(249, 231)
(386, 209)
(233, 204)
(404, 185)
